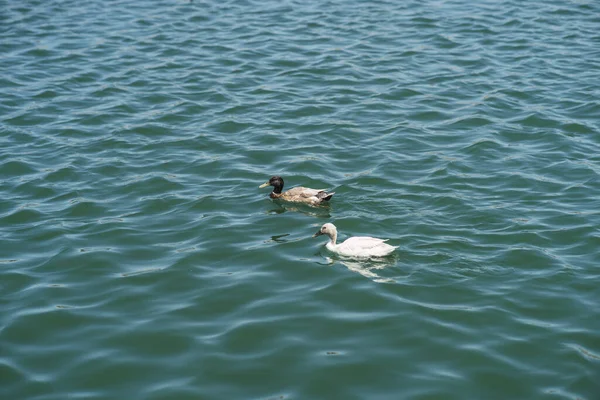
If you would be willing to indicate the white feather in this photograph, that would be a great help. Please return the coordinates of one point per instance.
(358, 246)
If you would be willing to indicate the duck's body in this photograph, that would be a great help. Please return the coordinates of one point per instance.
(303, 195)
(313, 197)
(358, 246)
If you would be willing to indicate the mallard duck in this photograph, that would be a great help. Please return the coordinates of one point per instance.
(313, 197)
(359, 246)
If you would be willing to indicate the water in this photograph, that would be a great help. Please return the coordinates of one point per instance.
(139, 259)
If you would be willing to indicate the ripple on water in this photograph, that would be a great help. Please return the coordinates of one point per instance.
(140, 259)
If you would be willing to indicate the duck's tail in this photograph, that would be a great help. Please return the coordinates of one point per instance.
(324, 196)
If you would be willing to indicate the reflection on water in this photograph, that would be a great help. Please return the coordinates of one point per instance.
(367, 268)
(278, 238)
(319, 212)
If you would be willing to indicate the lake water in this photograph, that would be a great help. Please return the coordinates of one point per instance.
(139, 259)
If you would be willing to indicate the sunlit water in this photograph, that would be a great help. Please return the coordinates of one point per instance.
(139, 259)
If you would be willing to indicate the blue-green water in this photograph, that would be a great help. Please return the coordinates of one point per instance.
(139, 259)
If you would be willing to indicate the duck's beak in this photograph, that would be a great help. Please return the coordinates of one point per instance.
(264, 185)
(319, 233)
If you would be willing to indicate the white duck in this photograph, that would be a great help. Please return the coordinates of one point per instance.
(359, 246)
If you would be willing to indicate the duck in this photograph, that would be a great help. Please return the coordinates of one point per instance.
(358, 246)
(313, 197)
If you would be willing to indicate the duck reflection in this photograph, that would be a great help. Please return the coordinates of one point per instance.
(318, 212)
(368, 268)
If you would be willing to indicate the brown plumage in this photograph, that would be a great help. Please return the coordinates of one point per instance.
(313, 197)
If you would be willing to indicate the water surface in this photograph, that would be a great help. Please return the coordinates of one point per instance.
(139, 259)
